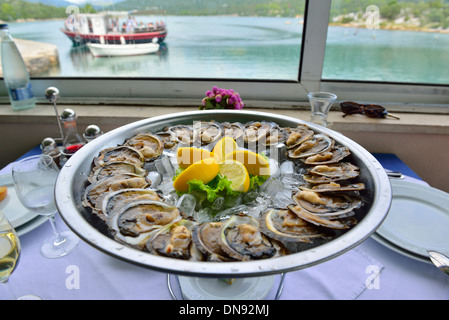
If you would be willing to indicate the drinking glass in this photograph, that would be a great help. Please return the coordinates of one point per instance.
(34, 179)
(320, 103)
(9, 256)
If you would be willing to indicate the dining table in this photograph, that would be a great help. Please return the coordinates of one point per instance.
(376, 269)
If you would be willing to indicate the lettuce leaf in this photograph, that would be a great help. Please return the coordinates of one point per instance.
(219, 186)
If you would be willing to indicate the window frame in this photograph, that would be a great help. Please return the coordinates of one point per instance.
(260, 93)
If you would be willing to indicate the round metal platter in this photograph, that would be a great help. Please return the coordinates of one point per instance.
(72, 181)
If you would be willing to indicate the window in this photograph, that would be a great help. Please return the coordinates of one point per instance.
(393, 41)
(273, 52)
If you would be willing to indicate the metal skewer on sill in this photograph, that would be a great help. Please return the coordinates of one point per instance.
(52, 94)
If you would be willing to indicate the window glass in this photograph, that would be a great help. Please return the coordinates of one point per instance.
(388, 41)
(256, 39)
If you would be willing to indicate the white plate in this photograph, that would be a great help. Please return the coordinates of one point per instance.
(399, 250)
(418, 219)
(255, 288)
(11, 206)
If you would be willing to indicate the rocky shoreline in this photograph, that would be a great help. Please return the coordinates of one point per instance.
(39, 57)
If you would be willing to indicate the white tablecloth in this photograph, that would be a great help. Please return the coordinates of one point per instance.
(370, 271)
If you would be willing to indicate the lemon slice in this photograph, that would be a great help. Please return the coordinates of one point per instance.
(223, 147)
(203, 170)
(186, 156)
(235, 172)
(255, 164)
(3, 192)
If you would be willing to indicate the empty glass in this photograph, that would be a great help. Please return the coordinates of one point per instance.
(34, 179)
(320, 103)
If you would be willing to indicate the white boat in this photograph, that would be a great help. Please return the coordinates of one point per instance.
(130, 49)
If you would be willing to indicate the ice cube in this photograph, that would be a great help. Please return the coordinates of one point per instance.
(218, 204)
(155, 178)
(204, 215)
(287, 168)
(274, 168)
(164, 167)
(186, 203)
(259, 206)
(282, 198)
(225, 214)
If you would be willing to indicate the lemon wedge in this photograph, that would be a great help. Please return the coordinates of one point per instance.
(255, 164)
(235, 172)
(223, 147)
(186, 156)
(203, 170)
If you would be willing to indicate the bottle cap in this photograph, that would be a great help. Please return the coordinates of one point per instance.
(92, 131)
(48, 142)
(68, 114)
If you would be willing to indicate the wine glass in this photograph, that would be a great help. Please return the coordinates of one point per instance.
(9, 256)
(34, 179)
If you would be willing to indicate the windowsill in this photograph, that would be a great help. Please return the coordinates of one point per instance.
(104, 116)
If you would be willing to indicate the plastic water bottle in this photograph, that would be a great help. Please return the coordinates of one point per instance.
(15, 73)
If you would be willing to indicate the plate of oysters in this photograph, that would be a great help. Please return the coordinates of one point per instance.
(168, 194)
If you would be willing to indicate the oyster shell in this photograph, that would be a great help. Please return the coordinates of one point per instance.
(255, 131)
(175, 241)
(234, 130)
(120, 154)
(342, 170)
(135, 222)
(339, 224)
(206, 133)
(275, 136)
(114, 200)
(334, 155)
(317, 144)
(114, 183)
(335, 206)
(151, 146)
(298, 135)
(335, 187)
(206, 237)
(242, 240)
(285, 226)
(114, 168)
(181, 134)
(168, 138)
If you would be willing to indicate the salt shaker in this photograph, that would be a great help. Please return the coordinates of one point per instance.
(49, 146)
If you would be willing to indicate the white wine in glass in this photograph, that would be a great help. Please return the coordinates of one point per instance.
(9, 256)
(34, 179)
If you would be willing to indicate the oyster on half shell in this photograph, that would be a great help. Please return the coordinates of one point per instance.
(120, 154)
(242, 240)
(285, 226)
(317, 144)
(113, 201)
(298, 135)
(206, 237)
(339, 224)
(175, 241)
(150, 145)
(114, 168)
(94, 191)
(206, 133)
(134, 223)
(333, 155)
(329, 205)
